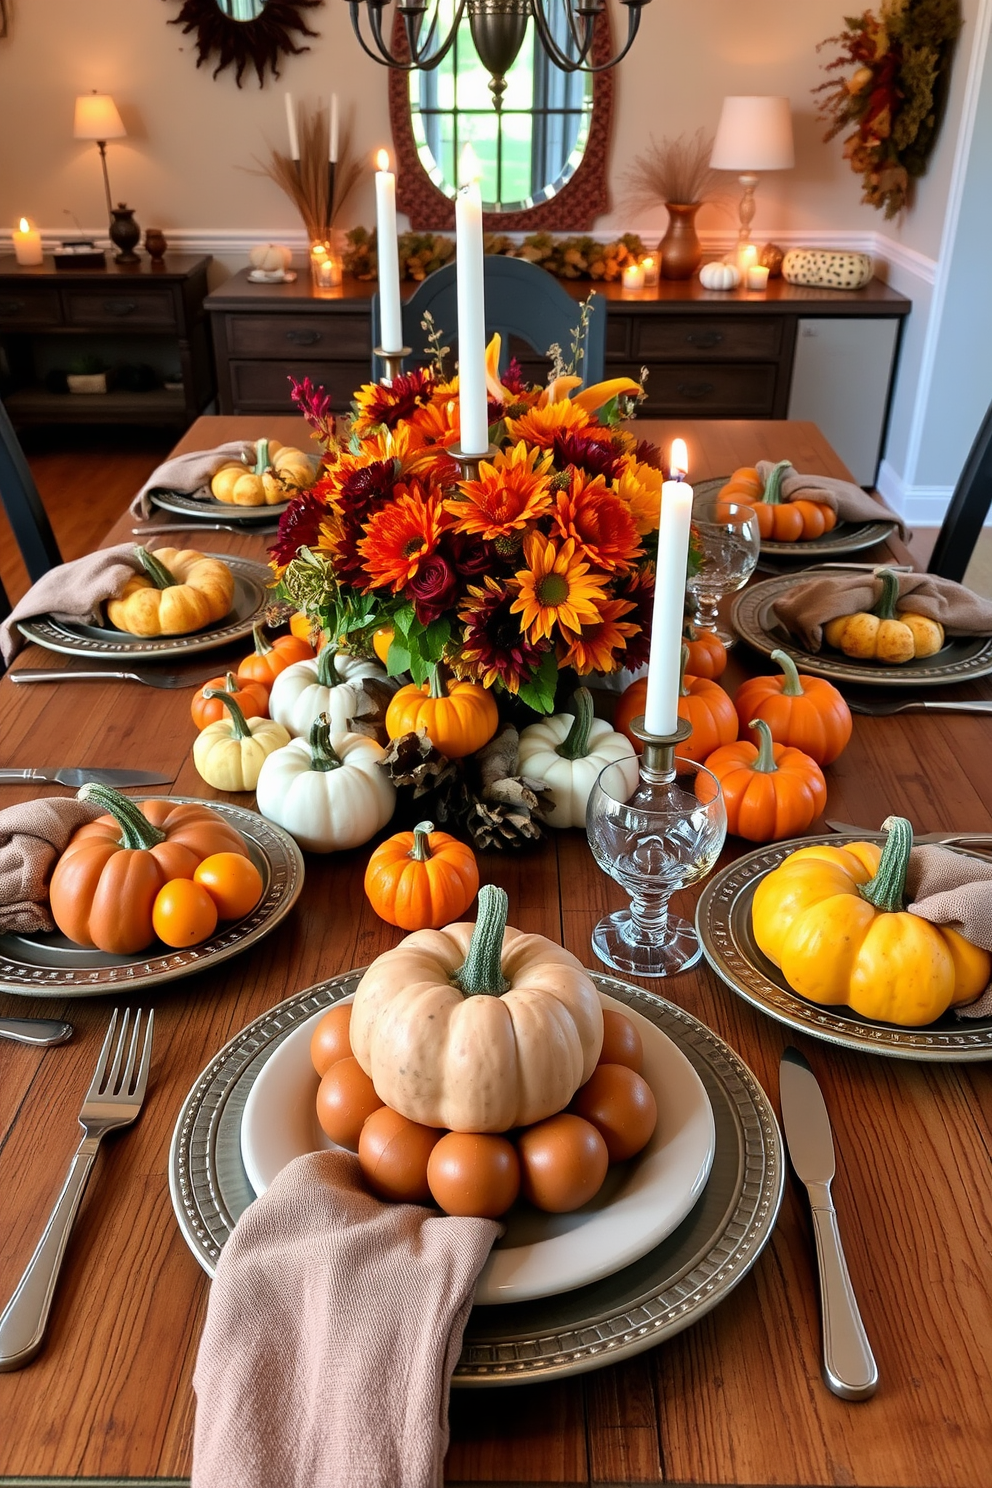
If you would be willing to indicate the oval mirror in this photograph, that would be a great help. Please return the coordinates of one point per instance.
(241, 10)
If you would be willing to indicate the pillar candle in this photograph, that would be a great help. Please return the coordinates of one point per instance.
(294, 139)
(664, 661)
(387, 245)
(472, 399)
(27, 245)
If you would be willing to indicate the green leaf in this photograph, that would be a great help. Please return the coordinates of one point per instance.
(539, 692)
(403, 619)
(420, 669)
(436, 637)
(397, 659)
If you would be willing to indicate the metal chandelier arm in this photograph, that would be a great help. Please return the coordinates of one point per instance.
(589, 12)
(421, 56)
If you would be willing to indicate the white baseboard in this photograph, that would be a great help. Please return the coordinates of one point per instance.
(921, 506)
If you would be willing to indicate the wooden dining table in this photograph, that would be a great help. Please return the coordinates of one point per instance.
(735, 1399)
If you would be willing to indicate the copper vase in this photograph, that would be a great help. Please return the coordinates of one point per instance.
(680, 248)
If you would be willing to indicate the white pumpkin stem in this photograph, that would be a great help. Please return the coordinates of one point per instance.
(482, 973)
(327, 671)
(575, 744)
(322, 756)
(420, 852)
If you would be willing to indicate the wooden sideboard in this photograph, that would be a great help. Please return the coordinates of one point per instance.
(708, 354)
(139, 314)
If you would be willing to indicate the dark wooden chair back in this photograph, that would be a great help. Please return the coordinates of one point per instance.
(19, 494)
(968, 509)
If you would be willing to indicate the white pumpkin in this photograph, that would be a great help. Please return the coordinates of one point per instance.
(567, 752)
(719, 276)
(330, 683)
(328, 791)
(270, 257)
(230, 753)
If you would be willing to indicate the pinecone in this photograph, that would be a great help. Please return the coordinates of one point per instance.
(506, 810)
(417, 770)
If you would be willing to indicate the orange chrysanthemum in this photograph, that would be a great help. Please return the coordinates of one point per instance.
(438, 422)
(639, 486)
(540, 425)
(400, 536)
(510, 493)
(556, 588)
(598, 520)
(599, 647)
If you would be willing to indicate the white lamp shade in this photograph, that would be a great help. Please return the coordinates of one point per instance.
(754, 134)
(97, 118)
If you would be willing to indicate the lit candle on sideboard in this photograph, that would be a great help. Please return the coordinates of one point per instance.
(472, 395)
(387, 246)
(633, 276)
(661, 710)
(757, 277)
(27, 245)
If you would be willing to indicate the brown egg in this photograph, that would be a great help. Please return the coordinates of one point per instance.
(621, 1106)
(475, 1173)
(621, 1041)
(330, 1041)
(563, 1162)
(393, 1153)
(345, 1100)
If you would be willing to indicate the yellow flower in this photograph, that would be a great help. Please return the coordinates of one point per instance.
(600, 647)
(639, 486)
(540, 425)
(556, 588)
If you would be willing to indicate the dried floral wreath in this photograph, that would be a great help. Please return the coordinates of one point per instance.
(239, 43)
(896, 94)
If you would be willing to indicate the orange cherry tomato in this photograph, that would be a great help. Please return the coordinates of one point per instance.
(345, 1099)
(621, 1106)
(183, 913)
(621, 1041)
(331, 1039)
(474, 1173)
(233, 883)
(394, 1152)
(563, 1162)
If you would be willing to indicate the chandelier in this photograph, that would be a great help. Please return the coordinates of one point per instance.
(497, 28)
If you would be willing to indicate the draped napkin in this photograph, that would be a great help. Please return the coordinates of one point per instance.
(72, 591)
(33, 835)
(850, 502)
(809, 605)
(190, 474)
(950, 889)
(333, 1327)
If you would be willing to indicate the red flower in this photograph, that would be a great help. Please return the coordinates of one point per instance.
(588, 454)
(299, 527)
(433, 588)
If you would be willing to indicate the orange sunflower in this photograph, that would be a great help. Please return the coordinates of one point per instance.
(598, 520)
(556, 588)
(540, 425)
(510, 493)
(400, 536)
(599, 647)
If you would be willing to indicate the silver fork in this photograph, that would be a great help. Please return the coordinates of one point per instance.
(114, 1099)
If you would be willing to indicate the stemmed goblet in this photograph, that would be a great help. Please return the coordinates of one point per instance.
(729, 543)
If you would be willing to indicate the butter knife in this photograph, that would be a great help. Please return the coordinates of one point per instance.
(84, 776)
(979, 839)
(849, 1367)
(43, 1032)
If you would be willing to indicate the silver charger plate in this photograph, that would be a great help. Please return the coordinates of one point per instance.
(209, 510)
(53, 966)
(670, 1288)
(723, 924)
(251, 595)
(845, 537)
(961, 659)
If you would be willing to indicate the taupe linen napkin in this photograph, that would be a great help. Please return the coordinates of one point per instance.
(72, 591)
(33, 835)
(850, 502)
(190, 474)
(948, 889)
(334, 1324)
(807, 606)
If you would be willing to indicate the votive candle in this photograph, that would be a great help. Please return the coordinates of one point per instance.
(27, 245)
(633, 276)
(757, 277)
(472, 395)
(661, 709)
(387, 245)
(652, 272)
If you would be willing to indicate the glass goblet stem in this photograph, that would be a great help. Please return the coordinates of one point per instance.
(650, 916)
(707, 615)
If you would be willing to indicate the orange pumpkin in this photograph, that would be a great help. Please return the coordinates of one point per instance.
(744, 485)
(459, 717)
(251, 697)
(421, 880)
(771, 791)
(305, 629)
(704, 703)
(778, 520)
(806, 712)
(269, 658)
(707, 653)
(105, 883)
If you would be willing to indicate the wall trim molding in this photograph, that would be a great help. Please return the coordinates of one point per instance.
(921, 506)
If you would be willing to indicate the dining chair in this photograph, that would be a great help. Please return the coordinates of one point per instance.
(969, 507)
(26, 514)
(522, 301)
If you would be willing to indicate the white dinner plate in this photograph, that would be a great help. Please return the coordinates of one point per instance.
(539, 1255)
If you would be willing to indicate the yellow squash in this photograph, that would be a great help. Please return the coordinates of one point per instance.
(832, 919)
(882, 634)
(180, 590)
(230, 753)
(277, 473)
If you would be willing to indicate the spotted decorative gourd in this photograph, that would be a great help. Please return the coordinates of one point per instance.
(827, 268)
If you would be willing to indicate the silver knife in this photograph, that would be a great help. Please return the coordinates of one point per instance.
(849, 1367)
(84, 776)
(919, 838)
(42, 1032)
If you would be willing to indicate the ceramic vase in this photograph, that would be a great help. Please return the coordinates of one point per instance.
(155, 244)
(125, 234)
(680, 248)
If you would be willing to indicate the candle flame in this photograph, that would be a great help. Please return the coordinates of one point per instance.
(647, 263)
(469, 168)
(25, 225)
(382, 160)
(679, 461)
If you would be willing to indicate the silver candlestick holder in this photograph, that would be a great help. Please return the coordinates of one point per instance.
(394, 362)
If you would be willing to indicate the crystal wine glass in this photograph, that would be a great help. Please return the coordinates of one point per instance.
(729, 543)
(654, 836)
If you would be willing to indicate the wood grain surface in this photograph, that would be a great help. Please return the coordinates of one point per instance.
(736, 1399)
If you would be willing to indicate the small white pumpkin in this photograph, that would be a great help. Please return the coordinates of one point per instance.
(328, 791)
(230, 753)
(270, 257)
(719, 276)
(567, 752)
(330, 683)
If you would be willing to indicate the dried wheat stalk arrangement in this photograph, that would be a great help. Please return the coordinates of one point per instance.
(318, 191)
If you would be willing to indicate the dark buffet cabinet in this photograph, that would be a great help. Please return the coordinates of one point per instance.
(790, 352)
(144, 319)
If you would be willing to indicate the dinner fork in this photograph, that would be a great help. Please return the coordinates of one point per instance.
(245, 529)
(147, 675)
(113, 1099)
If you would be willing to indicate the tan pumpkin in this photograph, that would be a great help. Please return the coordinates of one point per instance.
(181, 590)
(478, 1028)
(883, 633)
(277, 473)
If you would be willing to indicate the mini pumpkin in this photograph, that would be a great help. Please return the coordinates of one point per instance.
(180, 590)
(459, 717)
(707, 653)
(770, 791)
(229, 753)
(276, 473)
(778, 520)
(567, 752)
(702, 703)
(884, 633)
(252, 698)
(269, 658)
(805, 712)
(421, 880)
(332, 683)
(719, 276)
(328, 791)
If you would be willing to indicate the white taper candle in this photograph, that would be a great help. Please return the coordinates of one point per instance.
(661, 710)
(472, 397)
(294, 139)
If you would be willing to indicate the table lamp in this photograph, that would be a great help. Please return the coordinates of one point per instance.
(97, 119)
(754, 134)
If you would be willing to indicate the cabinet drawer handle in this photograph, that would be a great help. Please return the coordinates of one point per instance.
(695, 389)
(119, 307)
(11, 307)
(304, 338)
(705, 340)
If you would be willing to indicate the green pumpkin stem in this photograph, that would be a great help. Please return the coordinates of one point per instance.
(886, 891)
(262, 646)
(575, 745)
(765, 762)
(322, 756)
(137, 832)
(772, 494)
(156, 570)
(792, 687)
(231, 683)
(434, 682)
(885, 608)
(239, 723)
(327, 672)
(420, 852)
(482, 973)
(262, 461)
